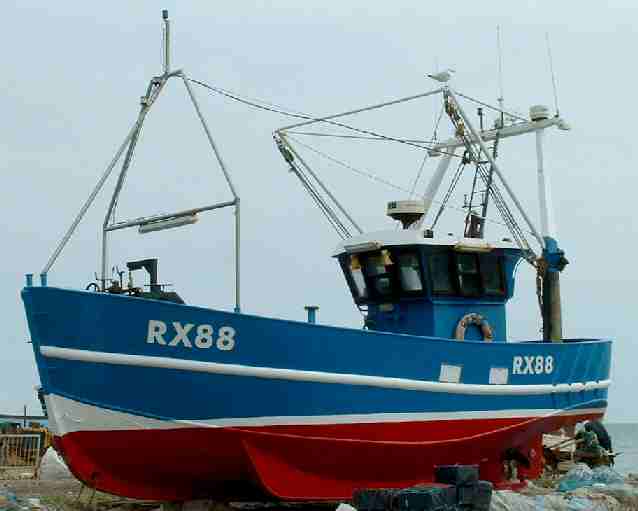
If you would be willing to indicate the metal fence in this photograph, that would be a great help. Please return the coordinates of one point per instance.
(19, 451)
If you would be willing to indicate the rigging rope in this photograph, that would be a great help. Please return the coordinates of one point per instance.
(509, 220)
(328, 212)
(492, 188)
(518, 116)
(432, 140)
(311, 118)
(380, 180)
(363, 173)
(332, 216)
(417, 178)
(448, 193)
(341, 135)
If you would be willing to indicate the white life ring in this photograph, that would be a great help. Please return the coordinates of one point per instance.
(474, 319)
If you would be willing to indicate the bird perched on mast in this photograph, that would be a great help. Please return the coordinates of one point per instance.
(442, 76)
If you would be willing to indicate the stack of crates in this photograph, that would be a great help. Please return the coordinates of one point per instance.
(458, 488)
(471, 493)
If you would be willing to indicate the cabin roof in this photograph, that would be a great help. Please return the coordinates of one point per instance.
(371, 240)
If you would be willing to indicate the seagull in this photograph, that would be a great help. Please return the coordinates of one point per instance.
(442, 76)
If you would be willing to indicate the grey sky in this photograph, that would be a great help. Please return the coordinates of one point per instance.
(73, 73)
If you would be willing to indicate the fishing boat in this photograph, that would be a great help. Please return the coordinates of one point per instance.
(190, 402)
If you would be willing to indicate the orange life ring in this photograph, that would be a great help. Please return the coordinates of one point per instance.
(474, 319)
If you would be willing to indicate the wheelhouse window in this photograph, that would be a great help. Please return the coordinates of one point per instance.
(441, 273)
(378, 269)
(356, 274)
(410, 272)
(385, 275)
(492, 272)
(469, 278)
(466, 274)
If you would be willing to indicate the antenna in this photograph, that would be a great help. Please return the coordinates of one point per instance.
(166, 41)
(551, 69)
(500, 67)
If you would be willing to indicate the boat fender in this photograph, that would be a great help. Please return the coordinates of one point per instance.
(474, 319)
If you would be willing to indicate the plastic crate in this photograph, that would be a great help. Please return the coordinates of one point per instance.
(482, 496)
(457, 475)
(425, 498)
(376, 499)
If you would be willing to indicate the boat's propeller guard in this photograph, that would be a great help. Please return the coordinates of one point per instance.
(474, 319)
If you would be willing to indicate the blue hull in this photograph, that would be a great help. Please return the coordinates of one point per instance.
(189, 365)
(117, 324)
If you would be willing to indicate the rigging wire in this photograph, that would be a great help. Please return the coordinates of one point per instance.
(329, 213)
(490, 177)
(417, 178)
(274, 106)
(363, 173)
(509, 220)
(435, 133)
(324, 207)
(425, 157)
(380, 180)
(509, 113)
(307, 176)
(492, 189)
(356, 137)
(306, 117)
(448, 193)
(506, 214)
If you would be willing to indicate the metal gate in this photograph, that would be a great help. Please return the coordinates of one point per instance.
(19, 451)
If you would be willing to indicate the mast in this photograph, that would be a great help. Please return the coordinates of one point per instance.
(153, 222)
(488, 185)
(552, 261)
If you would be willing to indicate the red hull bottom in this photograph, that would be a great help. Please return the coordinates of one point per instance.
(297, 463)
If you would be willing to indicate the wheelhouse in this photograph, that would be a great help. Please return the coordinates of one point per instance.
(415, 272)
(426, 286)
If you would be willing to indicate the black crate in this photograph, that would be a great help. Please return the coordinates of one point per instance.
(456, 474)
(482, 496)
(379, 499)
(425, 498)
(466, 494)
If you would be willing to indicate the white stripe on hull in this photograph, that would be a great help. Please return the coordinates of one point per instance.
(68, 416)
(316, 376)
